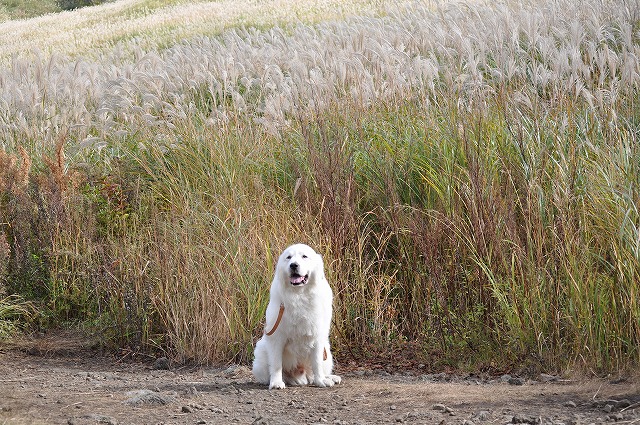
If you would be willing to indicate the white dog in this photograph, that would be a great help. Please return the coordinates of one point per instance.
(295, 347)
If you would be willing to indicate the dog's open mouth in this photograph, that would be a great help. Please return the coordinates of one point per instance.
(298, 280)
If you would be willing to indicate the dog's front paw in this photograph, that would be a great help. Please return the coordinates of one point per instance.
(323, 382)
(335, 378)
(276, 385)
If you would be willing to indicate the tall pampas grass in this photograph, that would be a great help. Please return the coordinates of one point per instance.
(468, 170)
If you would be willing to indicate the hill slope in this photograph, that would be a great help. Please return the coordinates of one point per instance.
(91, 30)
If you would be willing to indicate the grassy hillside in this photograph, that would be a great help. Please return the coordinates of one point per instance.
(469, 171)
(150, 24)
(24, 9)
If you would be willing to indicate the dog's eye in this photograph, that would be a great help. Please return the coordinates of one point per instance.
(288, 257)
(304, 256)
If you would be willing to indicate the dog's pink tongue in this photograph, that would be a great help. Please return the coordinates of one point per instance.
(298, 279)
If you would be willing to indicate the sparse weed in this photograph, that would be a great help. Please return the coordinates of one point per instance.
(15, 314)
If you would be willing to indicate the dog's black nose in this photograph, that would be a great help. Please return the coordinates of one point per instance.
(293, 266)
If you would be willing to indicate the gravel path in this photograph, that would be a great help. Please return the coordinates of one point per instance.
(85, 389)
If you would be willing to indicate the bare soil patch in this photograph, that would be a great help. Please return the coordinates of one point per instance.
(78, 386)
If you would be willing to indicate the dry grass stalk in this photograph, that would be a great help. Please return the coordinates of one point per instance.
(14, 171)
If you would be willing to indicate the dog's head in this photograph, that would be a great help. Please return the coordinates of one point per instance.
(299, 265)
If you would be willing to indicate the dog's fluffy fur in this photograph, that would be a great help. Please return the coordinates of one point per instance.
(295, 352)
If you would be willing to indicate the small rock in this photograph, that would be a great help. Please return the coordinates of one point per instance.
(161, 363)
(621, 404)
(139, 397)
(467, 422)
(522, 419)
(439, 407)
(608, 408)
(516, 381)
(616, 417)
(102, 419)
(231, 369)
(569, 403)
(483, 415)
(548, 378)
(187, 409)
(96, 419)
(505, 378)
(237, 371)
(392, 407)
(413, 415)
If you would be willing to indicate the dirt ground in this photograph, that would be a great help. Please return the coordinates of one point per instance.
(83, 387)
